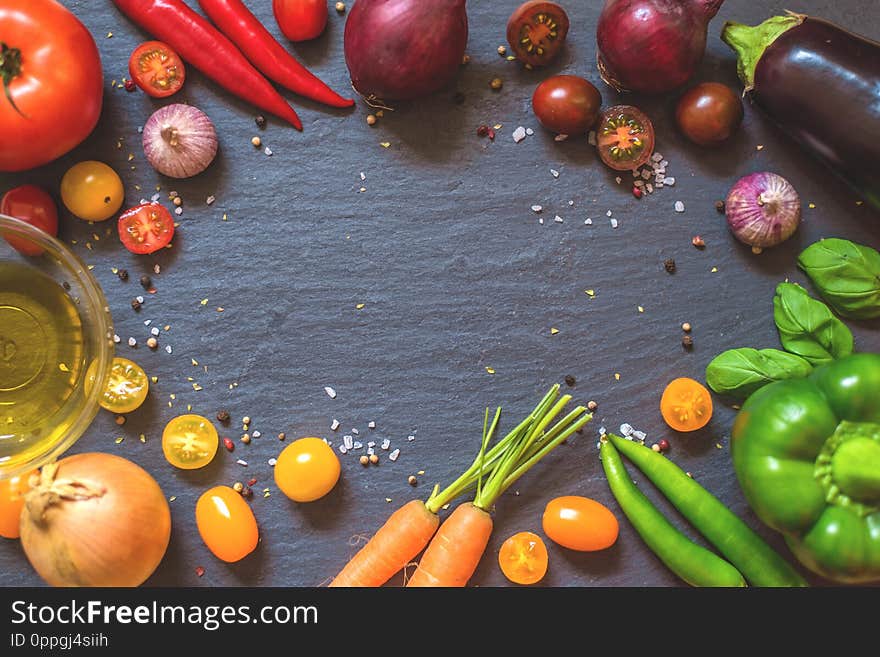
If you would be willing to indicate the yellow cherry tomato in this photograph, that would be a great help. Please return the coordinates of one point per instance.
(686, 405)
(12, 492)
(127, 387)
(92, 191)
(226, 524)
(523, 558)
(579, 523)
(190, 442)
(307, 470)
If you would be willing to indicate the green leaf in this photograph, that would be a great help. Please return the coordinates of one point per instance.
(808, 328)
(846, 274)
(740, 372)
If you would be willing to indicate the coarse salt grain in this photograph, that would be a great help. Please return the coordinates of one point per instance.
(371, 424)
(116, 339)
(588, 222)
(348, 441)
(372, 443)
(618, 180)
(529, 132)
(557, 219)
(154, 331)
(355, 431)
(537, 208)
(554, 173)
(268, 151)
(272, 462)
(343, 449)
(639, 435)
(646, 173)
(669, 180)
(519, 134)
(168, 348)
(370, 451)
(393, 455)
(334, 425)
(656, 157)
(242, 462)
(331, 393)
(614, 223)
(210, 199)
(386, 444)
(132, 342)
(560, 137)
(410, 438)
(679, 206)
(639, 183)
(626, 429)
(358, 445)
(178, 210)
(608, 213)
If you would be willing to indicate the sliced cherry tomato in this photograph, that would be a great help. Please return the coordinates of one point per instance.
(523, 558)
(709, 113)
(12, 493)
(579, 523)
(625, 137)
(567, 104)
(226, 524)
(190, 442)
(146, 228)
(92, 191)
(307, 469)
(686, 405)
(536, 32)
(34, 206)
(127, 387)
(300, 20)
(156, 69)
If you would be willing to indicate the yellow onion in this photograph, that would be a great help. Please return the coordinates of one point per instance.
(95, 520)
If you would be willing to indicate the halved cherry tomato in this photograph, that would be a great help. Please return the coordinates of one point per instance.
(523, 558)
(566, 104)
(579, 523)
(34, 206)
(625, 137)
(146, 228)
(12, 492)
(300, 20)
(536, 32)
(156, 69)
(190, 442)
(92, 190)
(127, 387)
(226, 524)
(686, 405)
(307, 469)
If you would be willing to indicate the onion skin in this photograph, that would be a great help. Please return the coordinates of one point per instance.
(404, 49)
(111, 528)
(763, 210)
(179, 141)
(652, 46)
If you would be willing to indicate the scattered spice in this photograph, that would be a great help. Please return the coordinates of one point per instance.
(129, 85)
(483, 131)
(120, 420)
(371, 119)
(637, 192)
(465, 59)
(411, 480)
(663, 444)
(374, 458)
(669, 265)
(686, 327)
(260, 120)
(152, 342)
(570, 380)
(246, 439)
(719, 207)
(687, 342)
(282, 436)
(496, 83)
(502, 50)
(246, 420)
(123, 274)
(228, 444)
(252, 481)
(256, 141)
(340, 7)
(146, 282)
(698, 241)
(365, 460)
(247, 493)
(177, 201)
(223, 416)
(136, 304)
(592, 406)
(199, 571)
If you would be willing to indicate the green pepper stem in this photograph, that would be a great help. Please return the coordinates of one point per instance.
(855, 468)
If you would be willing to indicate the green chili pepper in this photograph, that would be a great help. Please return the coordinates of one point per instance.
(693, 563)
(807, 456)
(761, 564)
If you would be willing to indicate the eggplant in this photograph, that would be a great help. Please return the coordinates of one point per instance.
(820, 84)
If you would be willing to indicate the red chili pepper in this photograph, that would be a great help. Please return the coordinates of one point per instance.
(237, 22)
(203, 46)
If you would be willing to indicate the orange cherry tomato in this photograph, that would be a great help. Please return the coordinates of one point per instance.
(226, 524)
(523, 558)
(307, 470)
(579, 523)
(12, 493)
(686, 405)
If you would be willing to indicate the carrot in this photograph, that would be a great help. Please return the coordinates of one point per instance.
(410, 528)
(456, 549)
(401, 538)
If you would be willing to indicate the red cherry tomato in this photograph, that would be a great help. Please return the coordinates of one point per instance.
(34, 206)
(566, 104)
(146, 228)
(709, 113)
(156, 69)
(300, 20)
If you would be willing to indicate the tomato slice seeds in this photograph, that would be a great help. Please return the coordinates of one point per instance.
(146, 228)
(156, 69)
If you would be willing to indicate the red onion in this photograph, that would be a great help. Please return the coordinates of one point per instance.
(763, 210)
(404, 49)
(652, 46)
(179, 141)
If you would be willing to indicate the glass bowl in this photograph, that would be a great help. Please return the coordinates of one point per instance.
(56, 347)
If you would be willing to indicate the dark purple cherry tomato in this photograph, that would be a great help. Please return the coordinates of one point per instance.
(566, 104)
(624, 137)
(536, 31)
(709, 113)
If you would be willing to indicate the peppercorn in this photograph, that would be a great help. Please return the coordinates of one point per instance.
(719, 206)
(223, 416)
(637, 192)
(256, 141)
(247, 492)
(135, 304)
(570, 380)
(698, 241)
(374, 458)
(252, 481)
(123, 274)
(129, 85)
(663, 444)
(152, 342)
(669, 265)
(655, 448)
(120, 420)
(177, 201)
(146, 282)
(496, 83)
(246, 420)
(502, 50)
(482, 130)
(465, 59)
(238, 486)
(592, 406)
(364, 460)
(687, 341)
(686, 327)
(371, 119)
(246, 439)
(411, 480)
(340, 7)
(260, 120)
(282, 436)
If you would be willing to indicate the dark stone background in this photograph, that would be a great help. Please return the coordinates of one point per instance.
(456, 275)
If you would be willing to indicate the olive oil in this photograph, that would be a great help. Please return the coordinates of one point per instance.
(41, 362)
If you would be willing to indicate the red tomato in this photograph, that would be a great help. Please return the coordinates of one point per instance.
(34, 206)
(300, 20)
(156, 69)
(54, 85)
(566, 104)
(146, 228)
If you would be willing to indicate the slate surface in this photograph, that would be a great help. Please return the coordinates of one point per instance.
(455, 274)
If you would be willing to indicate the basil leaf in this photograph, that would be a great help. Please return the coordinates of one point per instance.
(846, 274)
(807, 327)
(740, 372)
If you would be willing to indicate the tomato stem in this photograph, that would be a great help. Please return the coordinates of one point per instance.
(10, 68)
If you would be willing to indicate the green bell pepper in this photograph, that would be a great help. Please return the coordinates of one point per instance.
(807, 456)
